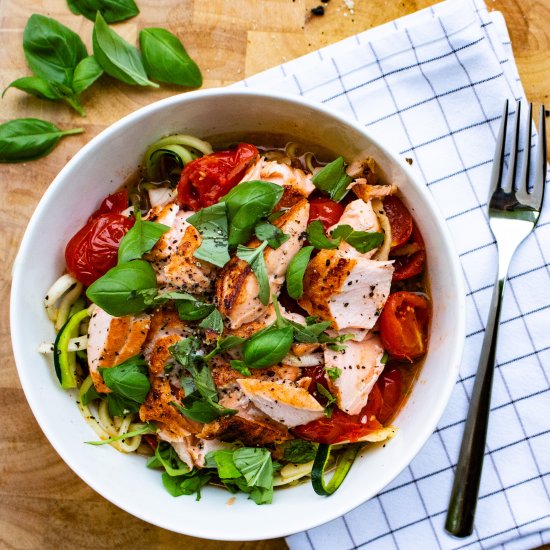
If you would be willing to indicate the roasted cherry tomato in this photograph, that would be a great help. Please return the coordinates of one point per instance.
(406, 267)
(112, 204)
(151, 440)
(390, 384)
(400, 219)
(327, 211)
(205, 180)
(93, 250)
(404, 325)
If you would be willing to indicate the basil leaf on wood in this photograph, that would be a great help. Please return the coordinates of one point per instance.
(85, 74)
(166, 60)
(25, 139)
(111, 10)
(51, 49)
(333, 179)
(247, 204)
(255, 258)
(36, 86)
(118, 58)
(265, 231)
(140, 239)
(115, 292)
(317, 237)
(267, 348)
(295, 272)
(211, 223)
(362, 241)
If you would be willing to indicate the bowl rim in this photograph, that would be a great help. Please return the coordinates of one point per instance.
(455, 280)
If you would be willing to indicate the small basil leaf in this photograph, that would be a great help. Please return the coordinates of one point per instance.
(295, 272)
(230, 342)
(333, 179)
(333, 372)
(299, 451)
(85, 74)
(166, 60)
(52, 50)
(211, 223)
(140, 239)
(111, 10)
(317, 237)
(118, 58)
(115, 291)
(213, 322)
(119, 405)
(90, 395)
(194, 310)
(203, 411)
(267, 348)
(25, 139)
(240, 366)
(35, 86)
(265, 231)
(362, 241)
(255, 465)
(255, 258)
(128, 380)
(247, 204)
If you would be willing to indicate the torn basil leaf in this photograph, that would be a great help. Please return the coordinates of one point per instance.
(333, 180)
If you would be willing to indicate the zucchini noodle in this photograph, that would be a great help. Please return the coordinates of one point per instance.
(290, 473)
(64, 284)
(75, 344)
(384, 251)
(65, 305)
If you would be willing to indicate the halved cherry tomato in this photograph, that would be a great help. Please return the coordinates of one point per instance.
(151, 440)
(404, 325)
(400, 219)
(93, 250)
(205, 180)
(390, 384)
(406, 267)
(327, 211)
(112, 204)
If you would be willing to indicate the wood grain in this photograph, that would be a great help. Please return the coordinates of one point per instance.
(42, 503)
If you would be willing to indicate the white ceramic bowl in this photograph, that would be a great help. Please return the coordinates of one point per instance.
(98, 169)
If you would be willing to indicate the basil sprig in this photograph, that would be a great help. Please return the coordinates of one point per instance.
(26, 139)
(295, 272)
(111, 10)
(166, 60)
(117, 57)
(333, 180)
(362, 241)
(255, 259)
(140, 239)
(317, 237)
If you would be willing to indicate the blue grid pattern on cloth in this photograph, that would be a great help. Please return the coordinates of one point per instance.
(433, 85)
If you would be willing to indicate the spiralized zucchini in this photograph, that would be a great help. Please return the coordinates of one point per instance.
(384, 251)
(64, 286)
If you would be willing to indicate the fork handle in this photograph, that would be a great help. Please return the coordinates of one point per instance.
(462, 505)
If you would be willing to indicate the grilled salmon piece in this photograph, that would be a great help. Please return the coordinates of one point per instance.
(165, 330)
(237, 287)
(223, 375)
(112, 340)
(367, 192)
(173, 426)
(285, 403)
(349, 291)
(193, 450)
(360, 366)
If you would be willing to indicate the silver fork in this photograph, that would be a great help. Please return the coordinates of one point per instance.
(513, 214)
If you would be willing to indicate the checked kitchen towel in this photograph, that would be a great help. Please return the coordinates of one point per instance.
(432, 85)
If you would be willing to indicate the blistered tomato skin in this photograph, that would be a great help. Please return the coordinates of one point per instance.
(93, 250)
(327, 211)
(400, 219)
(205, 180)
(112, 204)
(406, 267)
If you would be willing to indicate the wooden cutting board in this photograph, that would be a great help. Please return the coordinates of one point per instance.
(42, 502)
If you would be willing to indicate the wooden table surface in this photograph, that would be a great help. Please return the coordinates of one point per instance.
(43, 504)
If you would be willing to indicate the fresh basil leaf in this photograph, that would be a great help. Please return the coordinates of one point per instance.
(129, 379)
(333, 373)
(90, 395)
(112, 11)
(255, 259)
(188, 484)
(194, 310)
(36, 86)
(223, 461)
(295, 272)
(340, 339)
(255, 465)
(51, 49)
(329, 397)
(309, 334)
(265, 231)
(185, 353)
(267, 348)
(213, 322)
(145, 429)
(362, 241)
(299, 451)
(151, 297)
(333, 179)
(203, 411)
(140, 239)
(240, 367)
(224, 344)
(119, 405)
(118, 58)
(166, 60)
(211, 223)
(317, 237)
(166, 457)
(85, 74)
(116, 291)
(26, 139)
(247, 204)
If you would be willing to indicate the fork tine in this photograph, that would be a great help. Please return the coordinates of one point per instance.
(512, 163)
(498, 161)
(523, 186)
(540, 168)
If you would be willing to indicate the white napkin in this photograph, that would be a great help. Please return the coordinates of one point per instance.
(432, 85)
